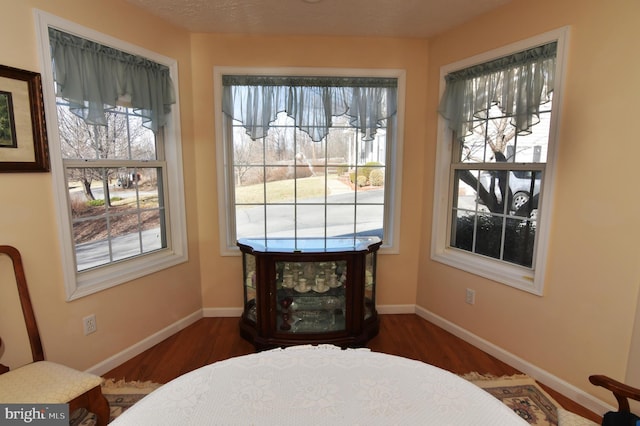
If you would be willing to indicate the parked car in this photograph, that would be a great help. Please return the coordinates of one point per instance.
(519, 184)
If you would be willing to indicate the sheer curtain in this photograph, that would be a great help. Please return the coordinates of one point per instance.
(517, 84)
(94, 78)
(255, 101)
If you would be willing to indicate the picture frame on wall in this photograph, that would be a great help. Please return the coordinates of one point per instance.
(23, 135)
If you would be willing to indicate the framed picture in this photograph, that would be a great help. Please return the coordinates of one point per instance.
(23, 135)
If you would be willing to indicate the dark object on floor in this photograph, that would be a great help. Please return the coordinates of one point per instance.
(622, 392)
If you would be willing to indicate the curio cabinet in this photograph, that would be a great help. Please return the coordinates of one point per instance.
(308, 291)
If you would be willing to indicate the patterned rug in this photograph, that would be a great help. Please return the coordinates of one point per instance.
(120, 394)
(524, 396)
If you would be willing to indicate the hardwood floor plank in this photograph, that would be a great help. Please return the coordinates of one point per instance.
(214, 339)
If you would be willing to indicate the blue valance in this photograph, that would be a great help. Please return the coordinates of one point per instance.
(94, 78)
(518, 84)
(255, 101)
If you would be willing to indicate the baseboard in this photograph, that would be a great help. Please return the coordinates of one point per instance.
(567, 389)
(396, 309)
(125, 355)
(221, 312)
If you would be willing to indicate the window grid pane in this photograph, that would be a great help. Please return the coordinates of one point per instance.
(496, 188)
(117, 212)
(335, 187)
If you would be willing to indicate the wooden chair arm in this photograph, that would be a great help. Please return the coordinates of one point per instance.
(620, 390)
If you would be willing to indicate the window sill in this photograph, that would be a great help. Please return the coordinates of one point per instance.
(93, 281)
(511, 275)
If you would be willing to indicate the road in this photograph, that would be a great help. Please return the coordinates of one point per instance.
(310, 220)
(281, 219)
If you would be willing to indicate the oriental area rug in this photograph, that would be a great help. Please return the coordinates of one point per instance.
(524, 396)
(120, 394)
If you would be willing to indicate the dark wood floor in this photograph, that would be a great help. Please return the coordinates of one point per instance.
(213, 339)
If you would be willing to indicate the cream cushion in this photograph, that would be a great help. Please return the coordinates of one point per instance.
(45, 382)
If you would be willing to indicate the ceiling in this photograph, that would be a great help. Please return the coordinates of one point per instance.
(384, 18)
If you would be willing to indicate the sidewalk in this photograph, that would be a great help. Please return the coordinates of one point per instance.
(336, 186)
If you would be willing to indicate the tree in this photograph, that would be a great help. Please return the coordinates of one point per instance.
(116, 140)
(242, 151)
(493, 234)
(495, 136)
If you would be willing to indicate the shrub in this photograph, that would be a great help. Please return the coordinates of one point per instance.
(278, 173)
(358, 180)
(368, 167)
(362, 181)
(95, 203)
(342, 169)
(376, 177)
(519, 236)
(78, 204)
(303, 171)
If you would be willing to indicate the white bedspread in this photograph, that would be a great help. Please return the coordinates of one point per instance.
(319, 385)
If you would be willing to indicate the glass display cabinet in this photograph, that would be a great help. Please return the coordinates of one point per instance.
(302, 291)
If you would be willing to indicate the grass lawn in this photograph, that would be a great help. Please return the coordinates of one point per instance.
(283, 190)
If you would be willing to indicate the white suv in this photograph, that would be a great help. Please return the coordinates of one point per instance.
(519, 184)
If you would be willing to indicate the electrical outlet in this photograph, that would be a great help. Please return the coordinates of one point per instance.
(471, 296)
(89, 323)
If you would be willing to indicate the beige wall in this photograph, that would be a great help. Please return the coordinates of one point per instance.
(127, 313)
(133, 311)
(583, 324)
(397, 273)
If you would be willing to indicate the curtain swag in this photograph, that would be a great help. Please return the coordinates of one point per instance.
(94, 78)
(517, 84)
(311, 102)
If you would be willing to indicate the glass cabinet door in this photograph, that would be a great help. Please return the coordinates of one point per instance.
(310, 296)
(369, 285)
(249, 268)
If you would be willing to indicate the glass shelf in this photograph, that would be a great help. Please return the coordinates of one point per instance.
(310, 296)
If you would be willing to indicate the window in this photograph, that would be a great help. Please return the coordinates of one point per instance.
(115, 154)
(497, 140)
(117, 203)
(308, 156)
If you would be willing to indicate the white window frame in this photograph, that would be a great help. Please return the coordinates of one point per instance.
(80, 284)
(527, 279)
(391, 244)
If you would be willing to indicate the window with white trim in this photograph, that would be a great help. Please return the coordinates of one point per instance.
(115, 154)
(497, 139)
(309, 156)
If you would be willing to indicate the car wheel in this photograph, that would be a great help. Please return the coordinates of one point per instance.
(519, 200)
